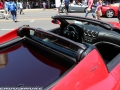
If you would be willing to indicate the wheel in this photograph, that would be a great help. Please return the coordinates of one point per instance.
(109, 13)
(63, 10)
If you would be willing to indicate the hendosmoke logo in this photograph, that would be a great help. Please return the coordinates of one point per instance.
(21, 87)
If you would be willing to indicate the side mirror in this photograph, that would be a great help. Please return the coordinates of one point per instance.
(55, 21)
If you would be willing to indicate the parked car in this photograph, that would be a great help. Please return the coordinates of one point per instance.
(110, 11)
(74, 7)
(80, 54)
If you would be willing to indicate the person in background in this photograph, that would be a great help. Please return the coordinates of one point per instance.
(36, 5)
(90, 9)
(6, 10)
(107, 3)
(52, 5)
(74, 2)
(119, 13)
(97, 3)
(28, 5)
(86, 2)
(67, 2)
(1, 5)
(18, 6)
(40, 4)
(58, 4)
(32, 4)
(98, 10)
(47, 4)
(44, 5)
(6, 6)
(13, 10)
(21, 7)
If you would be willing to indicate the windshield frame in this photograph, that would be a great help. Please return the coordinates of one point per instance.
(62, 19)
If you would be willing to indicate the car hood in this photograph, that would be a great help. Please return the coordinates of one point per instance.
(115, 24)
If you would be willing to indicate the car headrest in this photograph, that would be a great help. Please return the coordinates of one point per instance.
(23, 31)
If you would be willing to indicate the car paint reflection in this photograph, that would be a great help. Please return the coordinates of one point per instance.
(3, 60)
(25, 68)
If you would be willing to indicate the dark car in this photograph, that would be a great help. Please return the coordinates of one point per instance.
(81, 54)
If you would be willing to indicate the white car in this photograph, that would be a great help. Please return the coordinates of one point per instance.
(74, 7)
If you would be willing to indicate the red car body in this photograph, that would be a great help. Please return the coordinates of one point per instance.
(90, 73)
(110, 11)
(91, 77)
(115, 24)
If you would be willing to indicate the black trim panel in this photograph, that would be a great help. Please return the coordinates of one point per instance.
(113, 63)
(90, 20)
(53, 51)
(10, 43)
(25, 31)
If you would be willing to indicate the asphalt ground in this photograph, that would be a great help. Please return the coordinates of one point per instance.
(39, 18)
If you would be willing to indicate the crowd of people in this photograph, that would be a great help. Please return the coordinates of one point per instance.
(12, 8)
(94, 7)
(96, 13)
(89, 9)
(58, 5)
(30, 4)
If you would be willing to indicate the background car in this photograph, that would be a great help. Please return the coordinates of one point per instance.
(110, 10)
(74, 7)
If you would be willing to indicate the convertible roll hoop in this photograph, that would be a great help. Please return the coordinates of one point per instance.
(70, 48)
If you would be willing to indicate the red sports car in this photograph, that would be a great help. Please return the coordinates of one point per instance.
(81, 54)
(110, 11)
